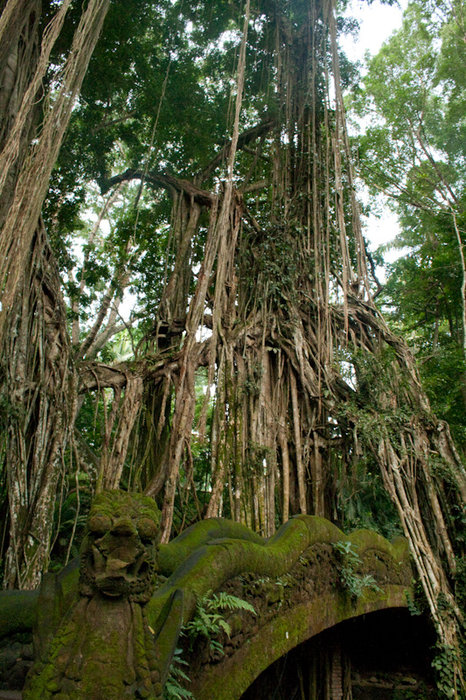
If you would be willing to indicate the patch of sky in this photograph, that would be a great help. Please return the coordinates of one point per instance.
(377, 22)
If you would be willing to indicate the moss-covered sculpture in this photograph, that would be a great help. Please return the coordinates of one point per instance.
(111, 630)
(103, 647)
(93, 639)
(119, 551)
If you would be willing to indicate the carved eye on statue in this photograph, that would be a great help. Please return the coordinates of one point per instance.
(99, 524)
(147, 529)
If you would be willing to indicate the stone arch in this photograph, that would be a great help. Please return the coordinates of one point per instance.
(377, 655)
(295, 581)
(233, 675)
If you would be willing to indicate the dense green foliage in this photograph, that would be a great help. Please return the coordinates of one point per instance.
(157, 97)
(414, 152)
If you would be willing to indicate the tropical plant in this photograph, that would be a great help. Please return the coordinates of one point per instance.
(174, 688)
(209, 618)
(356, 584)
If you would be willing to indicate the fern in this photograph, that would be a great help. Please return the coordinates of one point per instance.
(209, 620)
(174, 688)
(350, 560)
(227, 601)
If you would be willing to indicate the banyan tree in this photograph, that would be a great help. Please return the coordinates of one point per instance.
(259, 345)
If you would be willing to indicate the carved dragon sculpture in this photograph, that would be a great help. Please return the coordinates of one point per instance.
(110, 630)
(103, 647)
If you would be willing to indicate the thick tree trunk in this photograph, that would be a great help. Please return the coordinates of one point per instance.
(38, 387)
(19, 51)
(38, 391)
(34, 169)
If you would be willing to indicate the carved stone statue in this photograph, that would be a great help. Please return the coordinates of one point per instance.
(119, 552)
(103, 647)
(109, 630)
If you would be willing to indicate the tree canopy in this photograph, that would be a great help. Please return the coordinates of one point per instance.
(414, 152)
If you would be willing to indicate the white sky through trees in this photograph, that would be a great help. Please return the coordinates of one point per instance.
(376, 24)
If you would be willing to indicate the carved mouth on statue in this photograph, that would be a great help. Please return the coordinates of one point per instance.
(115, 577)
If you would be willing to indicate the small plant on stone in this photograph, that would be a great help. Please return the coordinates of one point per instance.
(209, 620)
(349, 562)
(174, 685)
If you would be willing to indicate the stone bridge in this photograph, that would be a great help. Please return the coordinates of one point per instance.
(312, 578)
(133, 597)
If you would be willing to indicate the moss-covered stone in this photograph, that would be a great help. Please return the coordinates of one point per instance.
(173, 554)
(211, 564)
(286, 626)
(113, 634)
(17, 611)
(102, 646)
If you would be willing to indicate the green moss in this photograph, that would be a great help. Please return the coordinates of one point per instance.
(211, 564)
(117, 503)
(99, 651)
(166, 632)
(174, 553)
(401, 551)
(99, 644)
(17, 611)
(368, 539)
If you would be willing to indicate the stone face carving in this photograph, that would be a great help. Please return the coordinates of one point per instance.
(103, 647)
(119, 552)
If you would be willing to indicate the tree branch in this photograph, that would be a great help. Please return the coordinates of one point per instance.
(244, 139)
(97, 375)
(157, 179)
(170, 182)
